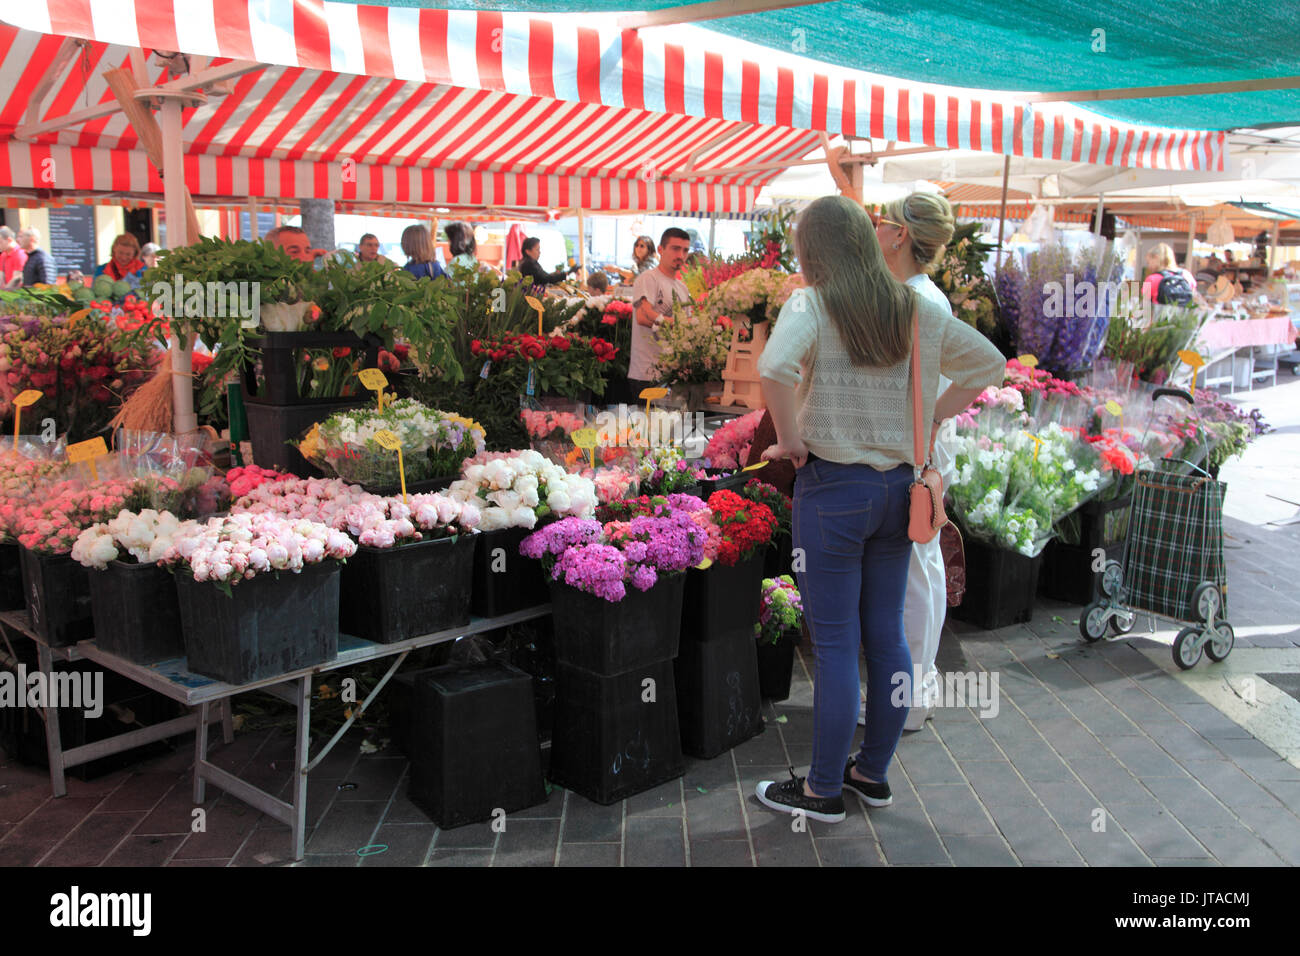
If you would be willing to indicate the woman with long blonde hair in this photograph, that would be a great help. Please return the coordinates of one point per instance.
(836, 377)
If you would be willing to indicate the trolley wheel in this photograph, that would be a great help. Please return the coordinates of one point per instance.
(1221, 640)
(1092, 622)
(1122, 622)
(1187, 652)
(1206, 600)
(1112, 579)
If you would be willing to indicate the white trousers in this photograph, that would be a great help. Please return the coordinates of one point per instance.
(926, 603)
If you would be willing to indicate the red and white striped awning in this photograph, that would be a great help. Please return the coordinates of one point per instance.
(434, 106)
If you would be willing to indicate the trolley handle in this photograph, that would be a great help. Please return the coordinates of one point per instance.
(1182, 393)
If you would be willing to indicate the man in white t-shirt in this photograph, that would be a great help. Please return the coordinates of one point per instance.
(653, 295)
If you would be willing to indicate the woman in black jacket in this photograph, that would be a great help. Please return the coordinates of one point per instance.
(530, 268)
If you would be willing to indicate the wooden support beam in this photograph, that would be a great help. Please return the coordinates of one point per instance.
(68, 51)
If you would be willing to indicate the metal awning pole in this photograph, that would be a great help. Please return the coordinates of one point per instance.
(1002, 214)
(184, 421)
(582, 247)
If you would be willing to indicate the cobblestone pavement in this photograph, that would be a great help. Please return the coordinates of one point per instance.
(1099, 754)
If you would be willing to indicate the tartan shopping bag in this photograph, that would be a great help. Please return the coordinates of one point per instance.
(1175, 540)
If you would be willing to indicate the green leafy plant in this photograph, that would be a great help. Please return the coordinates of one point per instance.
(1151, 347)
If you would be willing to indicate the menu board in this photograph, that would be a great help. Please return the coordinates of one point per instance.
(72, 239)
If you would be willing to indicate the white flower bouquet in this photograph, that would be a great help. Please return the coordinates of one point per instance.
(515, 491)
(145, 536)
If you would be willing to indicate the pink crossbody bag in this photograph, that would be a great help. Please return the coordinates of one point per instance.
(927, 516)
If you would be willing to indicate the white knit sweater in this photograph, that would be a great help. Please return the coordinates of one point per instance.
(852, 414)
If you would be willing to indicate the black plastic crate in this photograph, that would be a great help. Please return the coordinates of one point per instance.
(392, 594)
(281, 364)
(271, 428)
(473, 741)
(135, 612)
(718, 700)
(1001, 586)
(504, 580)
(1067, 573)
(609, 741)
(716, 482)
(271, 624)
(778, 559)
(722, 602)
(11, 577)
(127, 707)
(610, 638)
(58, 597)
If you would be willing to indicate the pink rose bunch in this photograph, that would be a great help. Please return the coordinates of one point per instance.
(66, 508)
(19, 475)
(241, 546)
(542, 425)
(729, 446)
(612, 484)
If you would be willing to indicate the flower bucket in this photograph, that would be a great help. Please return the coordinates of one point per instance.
(609, 638)
(728, 483)
(270, 625)
(718, 700)
(393, 594)
(271, 428)
(1001, 586)
(778, 559)
(57, 592)
(504, 580)
(1068, 573)
(776, 666)
(135, 611)
(722, 602)
(278, 381)
(11, 577)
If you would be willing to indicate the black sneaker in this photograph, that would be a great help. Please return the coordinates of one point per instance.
(872, 794)
(788, 797)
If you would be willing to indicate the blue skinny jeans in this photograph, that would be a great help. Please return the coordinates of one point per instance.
(851, 522)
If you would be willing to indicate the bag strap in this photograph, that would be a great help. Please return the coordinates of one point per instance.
(916, 392)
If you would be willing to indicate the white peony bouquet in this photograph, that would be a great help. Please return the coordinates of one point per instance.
(515, 491)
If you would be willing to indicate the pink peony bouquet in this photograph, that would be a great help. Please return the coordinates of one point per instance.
(325, 500)
(244, 479)
(729, 446)
(545, 425)
(146, 536)
(241, 546)
(387, 522)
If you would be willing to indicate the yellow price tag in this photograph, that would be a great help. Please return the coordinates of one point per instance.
(1038, 444)
(650, 394)
(587, 439)
(1028, 360)
(77, 316)
(387, 439)
(1195, 360)
(375, 380)
(1112, 406)
(29, 397)
(88, 451)
(705, 564)
(754, 467)
(540, 311)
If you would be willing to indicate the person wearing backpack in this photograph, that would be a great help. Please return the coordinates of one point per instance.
(1167, 284)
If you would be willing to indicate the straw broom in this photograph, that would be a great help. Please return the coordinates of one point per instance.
(149, 407)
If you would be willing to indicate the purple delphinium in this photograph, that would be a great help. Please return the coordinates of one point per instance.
(1037, 330)
(1007, 288)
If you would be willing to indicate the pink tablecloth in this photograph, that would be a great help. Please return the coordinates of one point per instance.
(1231, 333)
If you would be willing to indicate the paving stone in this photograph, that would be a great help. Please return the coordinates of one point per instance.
(1111, 848)
(174, 863)
(1101, 717)
(1208, 721)
(592, 854)
(1276, 826)
(17, 802)
(997, 784)
(1236, 846)
(765, 750)
(1158, 832)
(50, 823)
(408, 845)
(473, 836)
(375, 778)
(94, 839)
(908, 838)
(664, 800)
(1181, 742)
(654, 841)
(1033, 835)
(1068, 803)
(1192, 804)
(1069, 738)
(979, 851)
(716, 815)
(460, 857)
(1257, 759)
(1112, 783)
(271, 844)
(332, 861)
(969, 742)
(142, 791)
(347, 827)
(1040, 706)
(849, 852)
(929, 763)
(709, 774)
(1227, 782)
(144, 851)
(528, 843)
(174, 813)
(955, 810)
(1144, 759)
(1036, 761)
(587, 822)
(228, 824)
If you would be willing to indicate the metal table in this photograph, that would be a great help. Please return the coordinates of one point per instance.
(172, 679)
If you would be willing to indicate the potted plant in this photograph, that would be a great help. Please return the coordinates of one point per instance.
(258, 594)
(780, 619)
(133, 599)
(514, 491)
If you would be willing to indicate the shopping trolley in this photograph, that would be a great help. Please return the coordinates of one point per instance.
(1173, 562)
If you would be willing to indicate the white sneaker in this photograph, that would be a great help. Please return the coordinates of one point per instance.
(917, 716)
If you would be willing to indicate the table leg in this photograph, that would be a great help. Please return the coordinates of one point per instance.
(303, 703)
(53, 740)
(228, 720)
(200, 751)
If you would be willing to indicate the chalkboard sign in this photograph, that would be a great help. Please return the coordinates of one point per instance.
(72, 239)
(265, 223)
